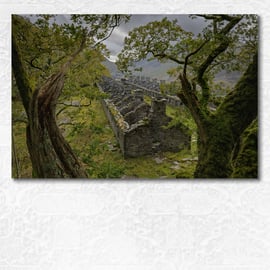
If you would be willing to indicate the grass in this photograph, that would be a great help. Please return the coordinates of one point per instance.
(103, 158)
(92, 139)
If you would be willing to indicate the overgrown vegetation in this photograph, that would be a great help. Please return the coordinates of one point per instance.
(227, 43)
(92, 139)
(49, 60)
(60, 131)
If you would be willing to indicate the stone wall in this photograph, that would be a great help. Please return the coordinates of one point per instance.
(141, 129)
(151, 88)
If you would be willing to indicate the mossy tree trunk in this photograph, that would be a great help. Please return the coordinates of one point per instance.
(245, 165)
(220, 133)
(50, 154)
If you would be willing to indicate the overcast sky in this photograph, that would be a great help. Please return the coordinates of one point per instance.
(116, 41)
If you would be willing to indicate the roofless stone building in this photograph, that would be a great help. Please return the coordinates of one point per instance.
(140, 128)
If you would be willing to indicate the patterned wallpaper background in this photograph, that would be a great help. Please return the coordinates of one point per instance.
(133, 225)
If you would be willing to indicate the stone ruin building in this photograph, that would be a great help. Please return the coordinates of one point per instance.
(140, 128)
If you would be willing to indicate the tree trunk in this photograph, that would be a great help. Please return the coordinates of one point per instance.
(50, 154)
(222, 131)
(45, 107)
(245, 165)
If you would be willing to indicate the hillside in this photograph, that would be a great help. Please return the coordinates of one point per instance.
(155, 69)
(152, 69)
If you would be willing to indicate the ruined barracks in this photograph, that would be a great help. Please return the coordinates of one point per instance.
(140, 128)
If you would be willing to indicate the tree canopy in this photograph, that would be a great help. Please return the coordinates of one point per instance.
(227, 43)
(44, 55)
(167, 40)
(57, 64)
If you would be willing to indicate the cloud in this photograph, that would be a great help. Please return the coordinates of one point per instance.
(112, 58)
(116, 41)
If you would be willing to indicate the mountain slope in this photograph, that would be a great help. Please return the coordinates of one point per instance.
(155, 69)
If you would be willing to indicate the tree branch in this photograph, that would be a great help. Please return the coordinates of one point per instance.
(196, 107)
(221, 48)
(217, 17)
(117, 22)
(192, 53)
(66, 105)
(58, 60)
(190, 99)
(170, 57)
(31, 63)
(66, 124)
(73, 56)
(74, 105)
(20, 75)
(103, 39)
(213, 55)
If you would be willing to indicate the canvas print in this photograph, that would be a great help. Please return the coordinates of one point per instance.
(115, 96)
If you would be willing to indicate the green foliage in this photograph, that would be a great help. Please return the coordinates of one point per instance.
(96, 25)
(47, 44)
(153, 40)
(165, 40)
(170, 88)
(97, 147)
(94, 143)
(110, 170)
(181, 116)
(227, 43)
(21, 166)
(45, 47)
